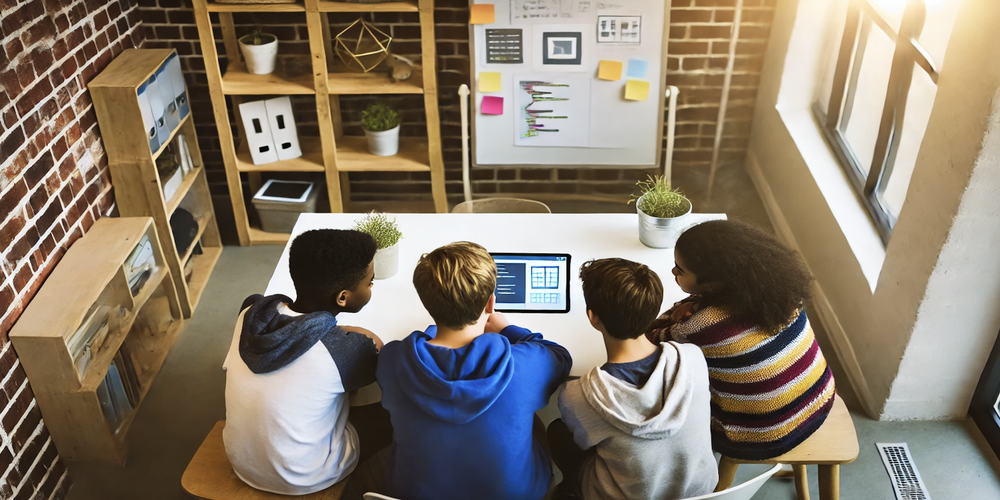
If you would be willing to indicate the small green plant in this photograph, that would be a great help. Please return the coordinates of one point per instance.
(657, 199)
(386, 232)
(258, 37)
(379, 117)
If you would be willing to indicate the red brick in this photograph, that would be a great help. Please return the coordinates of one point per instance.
(690, 16)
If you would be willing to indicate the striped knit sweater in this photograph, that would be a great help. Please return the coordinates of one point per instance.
(769, 391)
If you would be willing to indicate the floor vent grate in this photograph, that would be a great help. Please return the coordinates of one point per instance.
(903, 474)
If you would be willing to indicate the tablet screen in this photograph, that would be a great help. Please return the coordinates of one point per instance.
(532, 282)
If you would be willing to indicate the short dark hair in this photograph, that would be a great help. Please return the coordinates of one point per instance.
(762, 280)
(626, 295)
(455, 282)
(323, 262)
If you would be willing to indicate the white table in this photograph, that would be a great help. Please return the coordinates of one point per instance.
(395, 310)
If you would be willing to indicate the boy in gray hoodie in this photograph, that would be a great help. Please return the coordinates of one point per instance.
(636, 428)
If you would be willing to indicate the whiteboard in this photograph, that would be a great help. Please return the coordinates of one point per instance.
(583, 120)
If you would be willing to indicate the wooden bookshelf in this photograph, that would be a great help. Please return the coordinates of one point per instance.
(147, 324)
(329, 152)
(138, 187)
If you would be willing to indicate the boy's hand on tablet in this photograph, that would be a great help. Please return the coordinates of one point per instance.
(496, 323)
(366, 333)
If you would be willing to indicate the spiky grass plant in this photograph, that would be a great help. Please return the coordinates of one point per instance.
(386, 232)
(657, 199)
(379, 117)
(258, 37)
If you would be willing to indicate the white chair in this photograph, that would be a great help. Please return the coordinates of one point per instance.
(744, 491)
(501, 206)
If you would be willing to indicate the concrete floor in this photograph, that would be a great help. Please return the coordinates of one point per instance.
(188, 398)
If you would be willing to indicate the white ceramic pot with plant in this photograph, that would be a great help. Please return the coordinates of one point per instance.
(387, 235)
(662, 212)
(381, 124)
(260, 51)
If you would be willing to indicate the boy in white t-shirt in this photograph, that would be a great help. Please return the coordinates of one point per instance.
(291, 367)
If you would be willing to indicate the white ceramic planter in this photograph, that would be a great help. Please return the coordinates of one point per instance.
(260, 59)
(386, 262)
(655, 232)
(384, 143)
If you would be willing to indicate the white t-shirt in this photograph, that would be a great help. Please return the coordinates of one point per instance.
(287, 430)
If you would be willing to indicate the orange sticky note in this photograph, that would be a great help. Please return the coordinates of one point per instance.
(482, 13)
(610, 70)
(636, 90)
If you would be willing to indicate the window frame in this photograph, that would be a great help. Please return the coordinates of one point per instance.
(861, 15)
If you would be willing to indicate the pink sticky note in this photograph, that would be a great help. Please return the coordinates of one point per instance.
(492, 105)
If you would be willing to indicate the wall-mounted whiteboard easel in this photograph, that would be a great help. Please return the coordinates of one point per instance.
(560, 104)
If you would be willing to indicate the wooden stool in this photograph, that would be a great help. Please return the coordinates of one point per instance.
(209, 475)
(833, 444)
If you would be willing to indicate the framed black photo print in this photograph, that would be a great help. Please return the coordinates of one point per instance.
(562, 48)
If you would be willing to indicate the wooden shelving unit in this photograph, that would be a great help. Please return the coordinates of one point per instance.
(147, 323)
(330, 152)
(138, 187)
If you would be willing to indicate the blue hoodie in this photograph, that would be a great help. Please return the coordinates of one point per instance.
(463, 418)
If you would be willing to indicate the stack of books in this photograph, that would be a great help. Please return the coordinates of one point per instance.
(140, 265)
(119, 392)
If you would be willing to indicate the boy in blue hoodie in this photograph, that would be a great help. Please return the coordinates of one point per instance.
(291, 366)
(462, 395)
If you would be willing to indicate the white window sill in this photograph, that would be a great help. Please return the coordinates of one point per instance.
(840, 196)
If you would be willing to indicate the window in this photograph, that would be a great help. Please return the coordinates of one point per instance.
(877, 97)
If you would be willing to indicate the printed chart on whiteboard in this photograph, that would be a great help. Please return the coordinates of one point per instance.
(568, 82)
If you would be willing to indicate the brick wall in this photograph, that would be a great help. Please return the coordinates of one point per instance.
(53, 184)
(699, 40)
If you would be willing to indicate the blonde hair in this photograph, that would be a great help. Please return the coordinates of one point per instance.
(455, 283)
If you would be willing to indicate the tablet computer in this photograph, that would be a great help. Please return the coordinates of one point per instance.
(532, 282)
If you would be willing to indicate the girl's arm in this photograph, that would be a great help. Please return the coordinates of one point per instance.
(659, 330)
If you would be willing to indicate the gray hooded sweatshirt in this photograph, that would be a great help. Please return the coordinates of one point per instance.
(653, 442)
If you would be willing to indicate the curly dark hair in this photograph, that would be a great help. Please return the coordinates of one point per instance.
(324, 262)
(761, 279)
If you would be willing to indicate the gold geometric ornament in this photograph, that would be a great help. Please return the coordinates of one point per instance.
(362, 46)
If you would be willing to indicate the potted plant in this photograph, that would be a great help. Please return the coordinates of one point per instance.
(260, 51)
(661, 210)
(381, 124)
(387, 235)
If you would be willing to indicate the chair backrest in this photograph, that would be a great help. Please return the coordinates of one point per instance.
(744, 491)
(376, 496)
(501, 206)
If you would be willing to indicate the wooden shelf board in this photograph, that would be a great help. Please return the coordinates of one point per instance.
(344, 81)
(237, 81)
(203, 265)
(182, 191)
(101, 360)
(328, 6)
(261, 237)
(203, 222)
(353, 156)
(310, 161)
(258, 7)
(173, 133)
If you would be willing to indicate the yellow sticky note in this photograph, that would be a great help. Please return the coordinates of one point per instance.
(489, 82)
(610, 70)
(636, 90)
(482, 13)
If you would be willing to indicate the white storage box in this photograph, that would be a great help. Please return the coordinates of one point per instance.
(280, 202)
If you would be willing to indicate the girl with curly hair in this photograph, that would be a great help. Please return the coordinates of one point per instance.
(771, 386)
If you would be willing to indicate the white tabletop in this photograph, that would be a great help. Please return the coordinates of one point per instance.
(395, 310)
